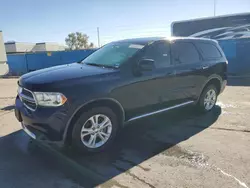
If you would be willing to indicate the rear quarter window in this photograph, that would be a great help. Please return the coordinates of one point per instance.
(209, 51)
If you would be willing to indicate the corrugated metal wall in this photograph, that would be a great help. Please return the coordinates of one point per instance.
(17, 64)
(237, 52)
(22, 63)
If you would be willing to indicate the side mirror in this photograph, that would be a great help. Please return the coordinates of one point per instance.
(146, 65)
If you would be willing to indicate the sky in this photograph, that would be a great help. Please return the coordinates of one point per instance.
(52, 20)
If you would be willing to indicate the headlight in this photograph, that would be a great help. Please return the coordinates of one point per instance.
(50, 99)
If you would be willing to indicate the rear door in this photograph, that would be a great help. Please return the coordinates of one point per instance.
(188, 62)
(211, 55)
(214, 61)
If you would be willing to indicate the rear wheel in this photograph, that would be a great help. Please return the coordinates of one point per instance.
(95, 130)
(208, 98)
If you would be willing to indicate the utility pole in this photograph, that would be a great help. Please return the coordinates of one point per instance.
(98, 36)
(214, 7)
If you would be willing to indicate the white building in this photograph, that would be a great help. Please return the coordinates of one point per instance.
(3, 59)
(22, 47)
(48, 46)
(18, 47)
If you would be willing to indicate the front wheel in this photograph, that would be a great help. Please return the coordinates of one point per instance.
(208, 98)
(95, 130)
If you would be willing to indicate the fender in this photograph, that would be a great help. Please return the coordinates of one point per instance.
(81, 106)
(213, 76)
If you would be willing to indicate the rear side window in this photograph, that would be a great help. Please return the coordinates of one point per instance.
(184, 53)
(209, 51)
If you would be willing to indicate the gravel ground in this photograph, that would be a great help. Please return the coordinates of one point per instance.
(175, 149)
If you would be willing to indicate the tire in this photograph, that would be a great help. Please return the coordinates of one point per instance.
(202, 105)
(86, 122)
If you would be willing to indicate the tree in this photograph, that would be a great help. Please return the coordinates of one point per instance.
(91, 45)
(77, 41)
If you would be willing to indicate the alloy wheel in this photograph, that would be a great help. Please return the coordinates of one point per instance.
(210, 99)
(96, 131)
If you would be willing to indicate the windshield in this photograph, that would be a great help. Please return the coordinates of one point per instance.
(113, 54)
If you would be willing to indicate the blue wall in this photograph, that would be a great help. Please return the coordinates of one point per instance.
(17, 64)
(236, 50)
(238, 56)
(22, 63)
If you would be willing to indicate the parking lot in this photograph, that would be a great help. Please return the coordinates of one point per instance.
(175, 149)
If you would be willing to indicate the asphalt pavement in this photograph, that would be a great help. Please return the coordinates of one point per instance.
(176, 149)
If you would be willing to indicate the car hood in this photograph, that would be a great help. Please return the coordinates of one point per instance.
(60, 73)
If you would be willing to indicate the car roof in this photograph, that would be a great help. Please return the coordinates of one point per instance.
(147, 40)
(191, 39)
(142, 41)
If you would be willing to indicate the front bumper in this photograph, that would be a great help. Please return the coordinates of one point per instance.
(32, 135)
(223, 85)
(43, 123)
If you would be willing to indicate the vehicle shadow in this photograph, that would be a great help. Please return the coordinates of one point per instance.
(142, 140)
(23, 165)
(8, 108)
(139, 141)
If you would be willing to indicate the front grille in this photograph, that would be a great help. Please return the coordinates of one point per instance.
(28, 99)
(27, 93)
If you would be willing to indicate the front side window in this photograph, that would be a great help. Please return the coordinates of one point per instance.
(184, 53)
(113, 54)
(160, 53)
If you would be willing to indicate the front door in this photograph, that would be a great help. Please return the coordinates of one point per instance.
(152, 90)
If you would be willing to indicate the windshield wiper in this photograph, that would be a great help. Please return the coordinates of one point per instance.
(100, 65)
(94, 64)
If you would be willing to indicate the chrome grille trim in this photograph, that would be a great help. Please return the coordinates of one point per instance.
(29, 99)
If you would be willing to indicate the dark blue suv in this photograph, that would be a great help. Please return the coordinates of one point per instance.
(85, 104)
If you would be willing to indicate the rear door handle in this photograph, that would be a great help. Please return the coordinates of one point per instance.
(205, 67)
(199, 68)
